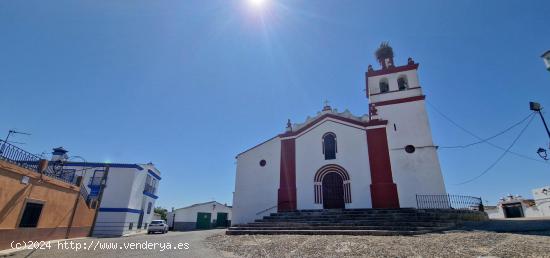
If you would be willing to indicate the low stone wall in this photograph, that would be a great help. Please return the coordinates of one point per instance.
(459, 216)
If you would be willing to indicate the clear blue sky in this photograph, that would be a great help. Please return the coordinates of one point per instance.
(189, 84)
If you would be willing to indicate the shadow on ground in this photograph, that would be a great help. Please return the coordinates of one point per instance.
(524, 226)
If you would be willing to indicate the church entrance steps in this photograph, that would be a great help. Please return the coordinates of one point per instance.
(328, 232)
(358, 222)
(355, 223)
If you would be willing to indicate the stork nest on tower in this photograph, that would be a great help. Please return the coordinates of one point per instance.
(384, 51)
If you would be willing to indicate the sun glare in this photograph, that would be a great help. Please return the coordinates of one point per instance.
(257, 3)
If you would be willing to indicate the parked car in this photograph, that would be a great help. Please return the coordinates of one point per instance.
(157, 226)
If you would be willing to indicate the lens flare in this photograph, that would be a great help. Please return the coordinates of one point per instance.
(257, 3)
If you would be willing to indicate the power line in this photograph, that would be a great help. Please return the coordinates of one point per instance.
(500, 157)
(490, 138)
(481, 139)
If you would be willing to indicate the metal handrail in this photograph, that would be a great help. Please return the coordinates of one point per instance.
(448, 201)
(17, 156)
(264, 210)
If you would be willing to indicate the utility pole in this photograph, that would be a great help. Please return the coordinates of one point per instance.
(537, 108)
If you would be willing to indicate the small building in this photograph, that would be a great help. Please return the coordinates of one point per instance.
(204, 215)
(125, 193)
(513, 207)
(542, 199)
(156, 216)
(37, 204)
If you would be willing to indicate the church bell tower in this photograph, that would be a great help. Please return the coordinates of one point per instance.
(395, 95)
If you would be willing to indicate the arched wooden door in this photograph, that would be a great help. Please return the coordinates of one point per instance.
(333, 191)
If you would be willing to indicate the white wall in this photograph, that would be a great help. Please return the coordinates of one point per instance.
(255, 186)
(542, 199)
(418, 172)
(352, 155)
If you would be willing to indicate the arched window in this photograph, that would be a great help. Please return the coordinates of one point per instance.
(329, 146)
(149, 206)
(384, 85)
(402, 83)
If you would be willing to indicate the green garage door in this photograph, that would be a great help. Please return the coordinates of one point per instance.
(203, 220)
(221, 220)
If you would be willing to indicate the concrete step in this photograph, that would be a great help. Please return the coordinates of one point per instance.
(328, 232)
(304, 220)
(324, 215)
(340, 227)
(352, 223)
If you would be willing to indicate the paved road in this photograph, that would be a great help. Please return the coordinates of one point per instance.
(195, 240)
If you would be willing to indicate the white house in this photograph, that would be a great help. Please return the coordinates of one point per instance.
(200, 216)
(156, 216)
(381, 159)
(517, 207)
(513, 207)
(542, 200)
(128, 200)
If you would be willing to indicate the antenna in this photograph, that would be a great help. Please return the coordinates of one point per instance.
(10, 132)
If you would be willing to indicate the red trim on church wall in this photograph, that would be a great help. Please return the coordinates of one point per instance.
(389, 70)
(383, 189)
(287, 185)
(397, 101)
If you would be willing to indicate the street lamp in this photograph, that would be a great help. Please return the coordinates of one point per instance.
(542, 153)
(536, 107)
(546, 58)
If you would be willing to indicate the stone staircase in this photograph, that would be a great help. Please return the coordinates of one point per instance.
(405, 221)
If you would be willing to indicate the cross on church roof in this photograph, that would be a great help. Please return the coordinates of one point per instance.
(326, 106)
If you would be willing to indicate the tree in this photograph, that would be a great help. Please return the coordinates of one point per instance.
(162, 212)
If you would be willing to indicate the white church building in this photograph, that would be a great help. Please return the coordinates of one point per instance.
(338, 160)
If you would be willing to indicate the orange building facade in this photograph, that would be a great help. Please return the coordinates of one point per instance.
(36, 207)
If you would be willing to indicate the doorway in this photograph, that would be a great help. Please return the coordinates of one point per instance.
(333, 191)
(203, 220)
(513, 210)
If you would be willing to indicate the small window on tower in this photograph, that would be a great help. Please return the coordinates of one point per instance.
(384, 85)
(329, 146)
(402, 83)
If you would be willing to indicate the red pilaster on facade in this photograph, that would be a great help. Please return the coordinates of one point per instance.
(287, 184)
(383, 189)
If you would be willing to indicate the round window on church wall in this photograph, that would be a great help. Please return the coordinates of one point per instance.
(409, 149)
(262, 163)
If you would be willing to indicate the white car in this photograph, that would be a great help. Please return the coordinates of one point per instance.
(157, 226)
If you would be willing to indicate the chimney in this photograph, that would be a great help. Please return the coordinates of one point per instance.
(59, 154)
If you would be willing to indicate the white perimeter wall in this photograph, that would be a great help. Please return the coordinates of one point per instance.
(255, 186)
(352, 155)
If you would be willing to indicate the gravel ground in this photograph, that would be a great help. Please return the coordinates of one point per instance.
(447, 244)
